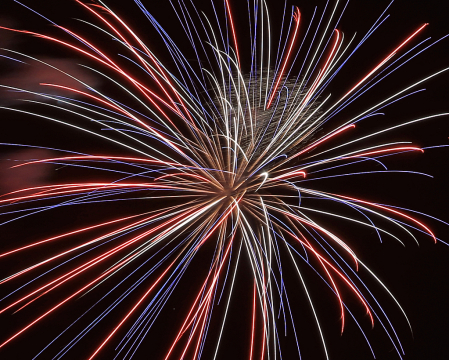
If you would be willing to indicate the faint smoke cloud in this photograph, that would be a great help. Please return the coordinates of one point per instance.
(15, 178)
(29, 76)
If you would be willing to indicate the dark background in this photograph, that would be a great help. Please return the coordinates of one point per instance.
(416, 275)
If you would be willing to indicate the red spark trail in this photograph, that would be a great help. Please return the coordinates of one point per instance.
(234, 36)
(99, 157)
(389, 56)
(144, 48)
(130, 312)
(297, 18)
(82, 268)
(330, 136)
(390, 210)
(188, 322)
(383, 151)
(109, 63)
(323, 261)
(322, 72)
(67, 234)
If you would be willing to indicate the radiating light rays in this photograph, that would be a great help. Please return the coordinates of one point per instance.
(220, 162)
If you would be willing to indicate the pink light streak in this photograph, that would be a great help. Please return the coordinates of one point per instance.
(388, 57)
(297, 18)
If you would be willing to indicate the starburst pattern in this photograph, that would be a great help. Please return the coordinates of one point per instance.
(224, 154)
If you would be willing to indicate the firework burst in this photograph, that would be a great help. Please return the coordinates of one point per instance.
(226, 160)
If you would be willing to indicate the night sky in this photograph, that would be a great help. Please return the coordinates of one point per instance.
(418, 276)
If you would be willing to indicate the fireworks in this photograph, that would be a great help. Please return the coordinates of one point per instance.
(227, 160)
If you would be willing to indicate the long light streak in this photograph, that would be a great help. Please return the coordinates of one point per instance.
(297, 18)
